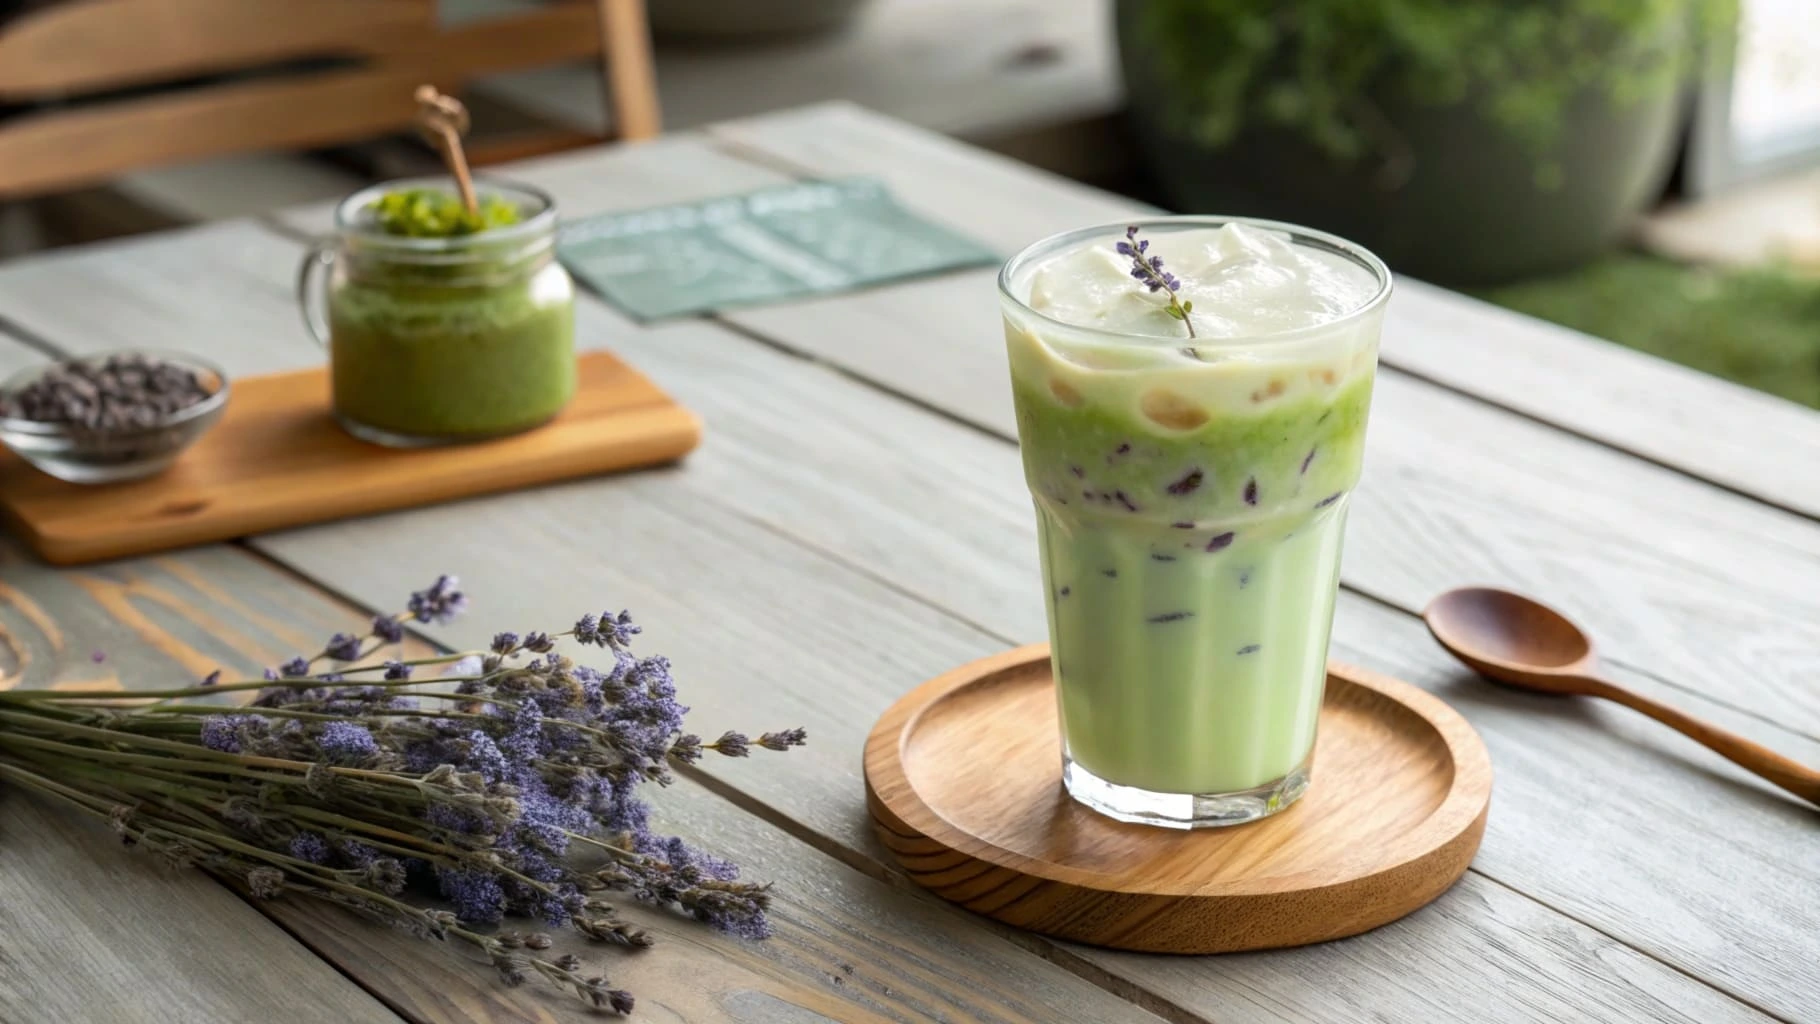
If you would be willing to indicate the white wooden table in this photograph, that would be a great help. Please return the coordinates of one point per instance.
(856, 522)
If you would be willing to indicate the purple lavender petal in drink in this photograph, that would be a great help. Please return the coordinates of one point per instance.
(1188, 484)
(1087, 494)
(1251, 491)
(1064, 592)
(1125, 500)
(1182, 524)
(1219, 541)
(1249, 649)
(1171, 617)
(1078, 472)
(1123, 449)
(1244, 579)
(1160, 557)
(1111, 574)
(1330, 499)
(1307, 459)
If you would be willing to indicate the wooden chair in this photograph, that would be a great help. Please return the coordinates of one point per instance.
(104, 87)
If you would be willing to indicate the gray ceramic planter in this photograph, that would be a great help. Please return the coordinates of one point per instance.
(1462, 206)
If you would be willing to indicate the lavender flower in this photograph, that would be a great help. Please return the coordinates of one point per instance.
(388, 629)
(347, 743)
(477, 895)
(343, 647)
(211, 679)
(310, 846)
(618, 631)
(608, 630)
(1149, 271)
(784, 740)
(488, 796)
(226, 732)
(439, 602)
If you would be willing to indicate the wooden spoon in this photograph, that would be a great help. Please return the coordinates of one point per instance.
(1524, 643)
(443, 120)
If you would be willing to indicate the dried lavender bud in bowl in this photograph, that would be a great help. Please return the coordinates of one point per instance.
(126, 390)
(112, 416)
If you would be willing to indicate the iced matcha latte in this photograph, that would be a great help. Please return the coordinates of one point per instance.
(1191, 405)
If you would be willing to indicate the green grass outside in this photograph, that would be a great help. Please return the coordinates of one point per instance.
(1759, 327)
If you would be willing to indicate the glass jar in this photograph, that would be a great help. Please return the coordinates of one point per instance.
(442, 340)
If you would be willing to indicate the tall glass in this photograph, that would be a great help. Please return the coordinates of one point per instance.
(1191, 498)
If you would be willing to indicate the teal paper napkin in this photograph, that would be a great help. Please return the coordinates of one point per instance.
(777, 243)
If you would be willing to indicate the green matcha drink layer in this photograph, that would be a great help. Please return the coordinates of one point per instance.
(450, 362)
(1191, 495)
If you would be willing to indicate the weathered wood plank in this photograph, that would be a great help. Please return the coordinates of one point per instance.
(1711, 591)
(760, 615)
(1567, 973)
(90, 931)
(848, 947)
(15, 353)
(672, 169)
(179, 290)
(702, 573)
(1631, 401)
(905, 511)
(1702, 425)
(1633, 550)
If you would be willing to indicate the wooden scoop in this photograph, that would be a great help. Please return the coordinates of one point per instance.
(1515, 640)
(444, 120)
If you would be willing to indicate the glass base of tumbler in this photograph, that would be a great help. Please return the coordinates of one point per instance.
(1184, 810)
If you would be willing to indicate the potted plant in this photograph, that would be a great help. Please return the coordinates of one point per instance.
(1468, 142)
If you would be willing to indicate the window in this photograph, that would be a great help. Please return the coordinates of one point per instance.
(1759, 112)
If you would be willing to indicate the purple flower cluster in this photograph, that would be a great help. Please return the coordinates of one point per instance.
(439, 602)
(1148, 270)
(544, 758)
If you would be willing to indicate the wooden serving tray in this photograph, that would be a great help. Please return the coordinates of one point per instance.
(277, 459)
(963, 779)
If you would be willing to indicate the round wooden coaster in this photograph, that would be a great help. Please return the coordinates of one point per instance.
(963, 778)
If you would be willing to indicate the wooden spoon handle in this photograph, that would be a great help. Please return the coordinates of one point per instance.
(444, 119)
(1798, 779)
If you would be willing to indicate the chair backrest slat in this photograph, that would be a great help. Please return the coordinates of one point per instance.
(166, 50)
(84, 46)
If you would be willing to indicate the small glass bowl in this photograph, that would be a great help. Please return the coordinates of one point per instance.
(86, 455)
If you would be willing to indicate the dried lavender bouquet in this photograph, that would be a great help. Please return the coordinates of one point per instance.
(506, 779)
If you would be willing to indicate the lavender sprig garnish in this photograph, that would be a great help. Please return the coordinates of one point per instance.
(1149, 271)
(504, 781)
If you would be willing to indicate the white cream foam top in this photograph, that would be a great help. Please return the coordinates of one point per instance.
(1249, 286)
(1244, 282)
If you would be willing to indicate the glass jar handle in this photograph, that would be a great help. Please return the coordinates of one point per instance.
(312, 294)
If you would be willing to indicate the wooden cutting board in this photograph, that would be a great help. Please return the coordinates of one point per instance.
(963, 779)
(277, 459)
